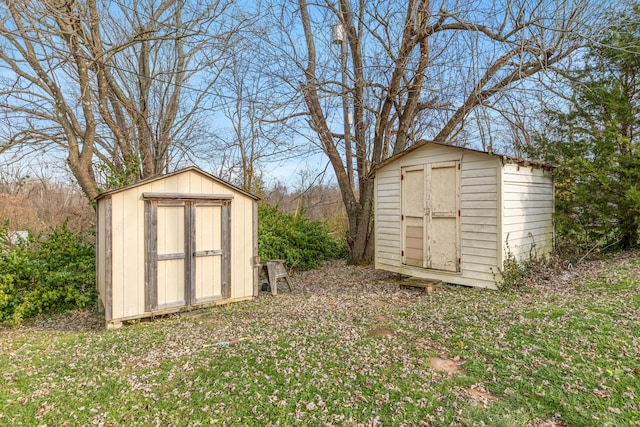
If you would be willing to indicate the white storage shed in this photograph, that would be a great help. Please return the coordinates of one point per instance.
(455, 214)
(182, 240)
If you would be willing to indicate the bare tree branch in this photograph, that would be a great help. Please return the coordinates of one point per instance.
(417, 70)
(125, 83)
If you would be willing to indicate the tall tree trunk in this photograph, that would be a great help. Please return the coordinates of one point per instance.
(362, 244)
(386, 109)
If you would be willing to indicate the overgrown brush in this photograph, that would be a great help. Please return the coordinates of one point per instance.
(45, 273)
(514, 271)
(302, 243)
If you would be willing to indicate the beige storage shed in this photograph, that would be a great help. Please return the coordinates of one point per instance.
(182, 240)
(455, 214)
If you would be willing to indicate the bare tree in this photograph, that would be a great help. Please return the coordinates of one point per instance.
(116, 86)
(415, 69)
(247, 139)
(13, 178)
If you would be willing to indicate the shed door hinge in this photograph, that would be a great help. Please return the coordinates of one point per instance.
(402, 217)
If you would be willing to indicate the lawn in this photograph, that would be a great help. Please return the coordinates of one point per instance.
(347, 347)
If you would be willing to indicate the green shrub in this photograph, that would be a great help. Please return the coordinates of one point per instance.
(514, 272)
(302, 243)
(46, 273)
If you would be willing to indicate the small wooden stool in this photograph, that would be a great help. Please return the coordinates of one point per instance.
(275, 270)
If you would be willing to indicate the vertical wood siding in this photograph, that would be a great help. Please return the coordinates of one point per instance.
(128, 236)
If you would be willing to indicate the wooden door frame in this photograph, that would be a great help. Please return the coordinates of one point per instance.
(456, 164)
(225, 242)
(189, 201)
(403, 233)
(427, 218)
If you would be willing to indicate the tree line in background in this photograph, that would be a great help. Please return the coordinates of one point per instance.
(124, 91)
(594, 139)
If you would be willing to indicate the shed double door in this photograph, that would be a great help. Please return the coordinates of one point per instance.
(430, 216)
(187, 253)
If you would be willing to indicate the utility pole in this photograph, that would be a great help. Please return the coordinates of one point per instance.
(338, 37)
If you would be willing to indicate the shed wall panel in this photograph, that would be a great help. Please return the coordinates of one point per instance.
(478, 204)
(538, 209)
(475, 229)
(466, 204)
(484, 251)
(388, 213)
(527, 212)
(528, 176)
(484, 259)
(119, 251)
(128, 266)
(101, 230)
(471, 197)
(471, 187)
(387, 218)
(480, 178)
(479, 218)
(387, 228)
(133, 262)
(530, 220)
(390, 228)
(470, 213)
(472, 221)
(479, 235)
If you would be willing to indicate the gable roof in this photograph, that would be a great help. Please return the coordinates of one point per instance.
(177, 172)
(423, 143)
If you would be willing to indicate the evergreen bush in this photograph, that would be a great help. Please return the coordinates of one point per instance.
(302, 243)
(595, 141)
(46, 273)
